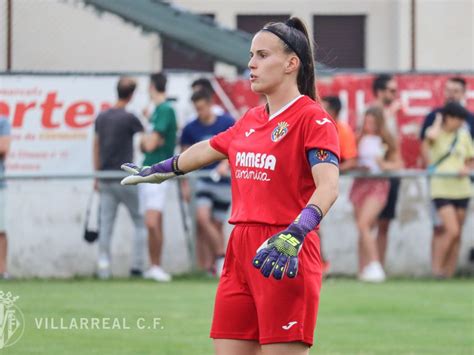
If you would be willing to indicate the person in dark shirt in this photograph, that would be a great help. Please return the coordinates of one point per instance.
(454, 91)
(113, 144)
(205, 84)
(213, 196)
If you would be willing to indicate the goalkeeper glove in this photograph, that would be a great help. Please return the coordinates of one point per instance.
(279, 254)
(154, 174)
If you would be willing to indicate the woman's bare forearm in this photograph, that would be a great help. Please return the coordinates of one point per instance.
(326, 178)
(198, 156)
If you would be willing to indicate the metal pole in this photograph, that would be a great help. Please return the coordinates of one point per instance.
(188, 230)
(413, 35)
(9, 35)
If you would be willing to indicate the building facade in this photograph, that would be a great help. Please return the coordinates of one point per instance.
(374, 35)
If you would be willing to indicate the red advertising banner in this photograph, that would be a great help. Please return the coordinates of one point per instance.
(52, 116)
(418, 95)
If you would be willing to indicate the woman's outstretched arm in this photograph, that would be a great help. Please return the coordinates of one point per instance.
(193, 158)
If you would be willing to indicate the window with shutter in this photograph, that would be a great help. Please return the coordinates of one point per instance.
(254, 23)
(340, 40)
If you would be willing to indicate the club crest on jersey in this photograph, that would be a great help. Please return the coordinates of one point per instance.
(280, 131)
(322, 154)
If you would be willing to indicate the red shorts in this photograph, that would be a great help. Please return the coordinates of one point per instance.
(251, 307)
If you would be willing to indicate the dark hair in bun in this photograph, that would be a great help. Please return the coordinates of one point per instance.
(294, 35)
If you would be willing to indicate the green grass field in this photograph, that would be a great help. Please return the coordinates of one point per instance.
(398, 317)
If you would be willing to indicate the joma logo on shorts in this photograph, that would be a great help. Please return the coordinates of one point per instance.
(289, 325)
(255, 160)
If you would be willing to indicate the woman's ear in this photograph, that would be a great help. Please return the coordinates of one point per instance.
(292, 64)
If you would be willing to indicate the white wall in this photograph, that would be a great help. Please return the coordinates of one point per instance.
(445, 34)
(3, 34)
(409, 242)
(64, 36)
(45, 223)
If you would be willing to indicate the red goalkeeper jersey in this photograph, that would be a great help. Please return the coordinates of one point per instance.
(271, 175)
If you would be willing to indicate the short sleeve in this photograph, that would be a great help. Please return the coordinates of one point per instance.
(347, 143)
(4, 127)
(136, 125)
(186, 138)
(470, 121)
(163, 117)
(427, 123)
(221, 141)
(320, 132)
(469, 146)
(97, 123)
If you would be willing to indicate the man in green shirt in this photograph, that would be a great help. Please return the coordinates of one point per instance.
(158, 145)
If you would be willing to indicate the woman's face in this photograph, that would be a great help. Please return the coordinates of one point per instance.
(267, 63)
(452, 124)
(369, 126)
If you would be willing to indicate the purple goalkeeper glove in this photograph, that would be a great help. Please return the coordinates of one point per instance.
(154, 174)
(279, 254)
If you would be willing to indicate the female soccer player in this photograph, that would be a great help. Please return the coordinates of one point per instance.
(284, 165)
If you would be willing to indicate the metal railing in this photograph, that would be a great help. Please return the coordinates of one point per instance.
(187, 211)
(118, 174)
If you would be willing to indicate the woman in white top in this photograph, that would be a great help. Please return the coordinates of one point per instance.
(378, 152)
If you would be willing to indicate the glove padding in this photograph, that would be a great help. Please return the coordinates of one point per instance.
(146, 174)
(279, 254)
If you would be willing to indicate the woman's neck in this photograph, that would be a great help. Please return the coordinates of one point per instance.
(279, 99)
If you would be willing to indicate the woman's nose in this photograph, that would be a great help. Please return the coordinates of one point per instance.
(251, 64)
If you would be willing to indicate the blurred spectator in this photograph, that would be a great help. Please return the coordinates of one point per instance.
(113, 145)
(213, 195)
(450, 151)
(4, 148)
(347, 140)
(385, 89)
(454, 91)
(348, 151)
(158, 145)
(205, 84)
(378, 151)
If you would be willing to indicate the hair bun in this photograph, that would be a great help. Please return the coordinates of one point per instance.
(291, 22)
(297, 24)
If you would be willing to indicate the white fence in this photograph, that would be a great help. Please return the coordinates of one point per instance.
(45, 220)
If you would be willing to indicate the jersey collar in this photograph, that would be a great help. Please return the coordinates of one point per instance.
(284, 108)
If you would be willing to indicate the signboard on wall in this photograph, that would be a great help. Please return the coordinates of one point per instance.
(52, 116)
(52, 121)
